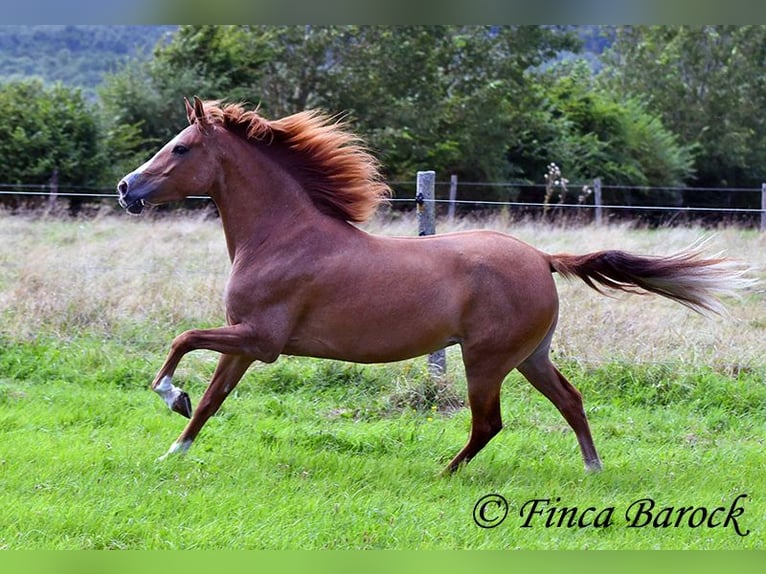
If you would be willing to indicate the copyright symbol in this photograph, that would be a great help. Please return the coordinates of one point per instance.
(490, 511)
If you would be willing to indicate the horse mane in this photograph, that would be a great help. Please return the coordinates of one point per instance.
(332, 164)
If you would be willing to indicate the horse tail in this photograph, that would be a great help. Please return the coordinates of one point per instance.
(686, 277)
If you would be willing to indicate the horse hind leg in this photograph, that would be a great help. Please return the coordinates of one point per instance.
(486, 420)
(546, 378)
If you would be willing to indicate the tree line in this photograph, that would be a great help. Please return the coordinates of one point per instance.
(668, 106)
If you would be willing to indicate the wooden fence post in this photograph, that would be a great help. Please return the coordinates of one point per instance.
(426, 208)
(763, 207)
(53, 191)
(452, 197)
(597, 200)
(424, 198)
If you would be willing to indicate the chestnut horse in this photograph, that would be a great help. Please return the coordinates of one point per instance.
(306, 281)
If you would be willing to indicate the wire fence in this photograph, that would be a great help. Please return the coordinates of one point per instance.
(585, 200)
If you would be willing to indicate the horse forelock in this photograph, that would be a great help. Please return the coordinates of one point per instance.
(333, 165)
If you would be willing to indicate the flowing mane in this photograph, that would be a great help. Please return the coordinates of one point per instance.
(342, 178)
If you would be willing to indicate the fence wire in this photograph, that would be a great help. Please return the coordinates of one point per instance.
(476, 203)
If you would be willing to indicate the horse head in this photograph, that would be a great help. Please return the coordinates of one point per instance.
(181, 168)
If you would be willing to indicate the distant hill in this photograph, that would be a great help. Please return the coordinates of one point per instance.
(73, 55)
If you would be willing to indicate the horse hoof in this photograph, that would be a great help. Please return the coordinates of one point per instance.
(593, 466)
(182, 405)
(176, 449)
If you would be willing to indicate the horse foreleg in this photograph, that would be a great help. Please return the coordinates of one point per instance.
(230, 340)
(546, 378)
(229, 372)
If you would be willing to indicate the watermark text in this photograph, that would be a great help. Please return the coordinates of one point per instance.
(492, 510)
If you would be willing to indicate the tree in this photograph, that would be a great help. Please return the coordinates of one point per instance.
(46, 130)
(708, 85)
(615, 139)
(448, 98)
(221, 61)
(142, 104)
(295, 75)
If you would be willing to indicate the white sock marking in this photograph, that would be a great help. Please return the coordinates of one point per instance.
(177, 448)
(167, 390)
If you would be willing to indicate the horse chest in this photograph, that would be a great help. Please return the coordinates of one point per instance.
(262, 297)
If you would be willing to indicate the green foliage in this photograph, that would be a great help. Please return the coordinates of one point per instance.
(596, 135)
(707, 85)
(436, 97)
(491, 114)
(137, 119)
(442, 98)
(48, 129)
(665, 106)
(142, 105)
(217, 61)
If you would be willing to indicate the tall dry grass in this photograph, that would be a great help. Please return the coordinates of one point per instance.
(120, 276)
(109, 274)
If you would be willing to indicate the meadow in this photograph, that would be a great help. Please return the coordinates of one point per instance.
(321, 454)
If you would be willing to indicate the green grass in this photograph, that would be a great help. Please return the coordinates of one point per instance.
(317, 454)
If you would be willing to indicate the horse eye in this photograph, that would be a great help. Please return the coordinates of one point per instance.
(180, 149)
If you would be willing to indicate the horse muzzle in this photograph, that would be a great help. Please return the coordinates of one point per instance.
(129, 194)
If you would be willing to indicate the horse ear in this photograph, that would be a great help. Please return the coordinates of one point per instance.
(189, 111)
(199, 114)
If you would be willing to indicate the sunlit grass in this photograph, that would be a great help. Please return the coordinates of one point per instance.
(305, 458)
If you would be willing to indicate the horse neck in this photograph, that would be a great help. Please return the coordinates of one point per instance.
(258, 200)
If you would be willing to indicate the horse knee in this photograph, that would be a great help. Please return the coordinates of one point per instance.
(183, 343)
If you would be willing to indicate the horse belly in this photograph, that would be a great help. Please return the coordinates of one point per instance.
(378, 329)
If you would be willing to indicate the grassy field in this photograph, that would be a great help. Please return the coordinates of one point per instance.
(319, 454)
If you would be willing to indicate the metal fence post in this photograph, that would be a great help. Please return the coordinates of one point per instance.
(426, 208)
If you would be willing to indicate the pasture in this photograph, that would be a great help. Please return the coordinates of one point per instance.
(320, 454)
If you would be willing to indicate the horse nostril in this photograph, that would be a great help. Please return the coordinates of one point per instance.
(122, 187)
